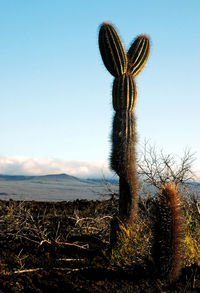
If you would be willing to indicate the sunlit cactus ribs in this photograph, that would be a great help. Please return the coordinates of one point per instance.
(138, 54)
(124, 67)
(124, 93)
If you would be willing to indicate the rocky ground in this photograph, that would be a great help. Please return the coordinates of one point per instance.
(64, 247)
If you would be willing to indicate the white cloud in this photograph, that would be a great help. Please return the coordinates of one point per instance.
(83, 169)
(34, 166)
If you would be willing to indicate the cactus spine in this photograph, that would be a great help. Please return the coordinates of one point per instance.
(124, 67)
(168, 233)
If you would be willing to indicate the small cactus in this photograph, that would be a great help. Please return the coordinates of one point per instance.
(168, 233)
(124, 67)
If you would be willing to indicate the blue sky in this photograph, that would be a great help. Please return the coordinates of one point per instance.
(55, 94)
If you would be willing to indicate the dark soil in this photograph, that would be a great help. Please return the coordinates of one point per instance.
(63, 247)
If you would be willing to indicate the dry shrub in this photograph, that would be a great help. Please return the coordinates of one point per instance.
(192, 237)
(133, 243)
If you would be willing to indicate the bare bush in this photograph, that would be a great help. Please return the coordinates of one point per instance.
(157, 168)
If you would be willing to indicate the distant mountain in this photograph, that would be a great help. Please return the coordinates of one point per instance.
(194, 184)
(52, 187)
(54, 178)
(15, 177)
(41, 178)
(100, 180)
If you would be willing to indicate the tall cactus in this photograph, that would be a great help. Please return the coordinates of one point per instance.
(124, 67)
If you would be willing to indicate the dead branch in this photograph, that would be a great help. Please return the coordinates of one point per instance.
(157, 168)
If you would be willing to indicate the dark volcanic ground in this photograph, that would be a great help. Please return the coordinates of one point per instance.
(63, 247)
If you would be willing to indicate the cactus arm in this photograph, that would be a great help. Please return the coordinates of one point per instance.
(138, 54)
(112, 50)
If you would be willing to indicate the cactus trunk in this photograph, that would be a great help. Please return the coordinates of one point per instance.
(123, 162)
